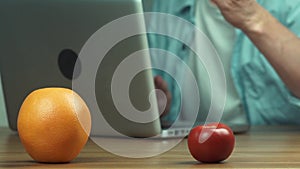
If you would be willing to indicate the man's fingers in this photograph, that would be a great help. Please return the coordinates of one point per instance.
(161, 84)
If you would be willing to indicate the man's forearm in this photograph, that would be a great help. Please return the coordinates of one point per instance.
(280, 46)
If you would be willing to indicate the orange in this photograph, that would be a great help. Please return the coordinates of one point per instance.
(54, 125)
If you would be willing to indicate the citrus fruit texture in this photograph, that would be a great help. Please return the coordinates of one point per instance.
(54, 125)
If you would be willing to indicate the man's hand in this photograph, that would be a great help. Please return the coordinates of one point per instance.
(164, 102)
(275, 41)
(243, 14)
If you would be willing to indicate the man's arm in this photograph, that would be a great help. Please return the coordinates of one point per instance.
(278, 44)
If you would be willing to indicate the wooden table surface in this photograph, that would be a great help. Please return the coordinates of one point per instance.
(261, 147)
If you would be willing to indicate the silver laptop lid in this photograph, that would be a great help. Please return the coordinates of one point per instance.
(40, 41)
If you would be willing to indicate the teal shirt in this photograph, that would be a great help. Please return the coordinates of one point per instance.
(264, 96)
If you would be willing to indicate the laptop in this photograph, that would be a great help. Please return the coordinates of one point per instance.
(41, 43)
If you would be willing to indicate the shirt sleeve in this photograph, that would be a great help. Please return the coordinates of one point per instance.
(292, 22)
(288, 13)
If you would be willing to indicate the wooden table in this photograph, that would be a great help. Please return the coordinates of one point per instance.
(261, 147)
